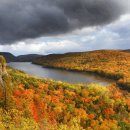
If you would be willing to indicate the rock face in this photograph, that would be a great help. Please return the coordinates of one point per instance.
(3, 71)
(5, 85)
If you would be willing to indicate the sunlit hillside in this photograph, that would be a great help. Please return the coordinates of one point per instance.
(109, 63)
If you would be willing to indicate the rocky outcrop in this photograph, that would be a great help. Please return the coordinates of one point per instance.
(3, 71)
(5, 85)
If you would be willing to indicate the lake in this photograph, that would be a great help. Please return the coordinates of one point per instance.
(59, 75)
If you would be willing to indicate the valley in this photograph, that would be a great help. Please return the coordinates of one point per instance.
(47, 104)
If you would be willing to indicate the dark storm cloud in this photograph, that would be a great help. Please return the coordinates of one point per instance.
(22, 19)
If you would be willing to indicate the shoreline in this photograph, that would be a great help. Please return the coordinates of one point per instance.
(112, 78)
(101, 74)
(83, 71)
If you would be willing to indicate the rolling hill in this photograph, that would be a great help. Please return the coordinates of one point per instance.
(108, 63)
(8, 56)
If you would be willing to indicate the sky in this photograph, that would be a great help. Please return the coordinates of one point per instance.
(60, 26)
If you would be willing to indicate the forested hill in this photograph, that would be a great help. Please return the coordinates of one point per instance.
(21, 58)
(128, 50)
(109, 63)
(8, 56)
(27, 58)
(33, 57)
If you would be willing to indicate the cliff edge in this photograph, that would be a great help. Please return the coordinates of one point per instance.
(5, 85)
(3, 71)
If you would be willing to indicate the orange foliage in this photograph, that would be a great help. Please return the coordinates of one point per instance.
(109, 111)
(86, 100)
(81, 113)
(128, 102)
(57, 105)
(55, 99)
(18, 103)
(17, 93)
(91, 116)
(35, 112)
(43, 86)
(28, 93)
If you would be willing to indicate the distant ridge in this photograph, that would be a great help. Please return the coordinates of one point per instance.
(8, 56)
(28, 58)
(22, 58)
(33, 57)
(128, 50)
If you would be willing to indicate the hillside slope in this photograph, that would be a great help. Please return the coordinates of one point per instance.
(109, 63)
(39, 104)
(61, 106)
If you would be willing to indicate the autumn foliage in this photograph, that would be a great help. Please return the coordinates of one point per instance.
(107, 63)
(40, 104)
(60, 106)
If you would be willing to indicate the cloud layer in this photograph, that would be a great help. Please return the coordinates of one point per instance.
(25, 19)
(112, 36)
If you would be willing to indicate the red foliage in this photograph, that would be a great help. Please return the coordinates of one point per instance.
(17, 93)
(109, 111)
(35, 112)
(91, 116)
(86, 100)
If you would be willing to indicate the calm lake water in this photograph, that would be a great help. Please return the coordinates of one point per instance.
(59, 75)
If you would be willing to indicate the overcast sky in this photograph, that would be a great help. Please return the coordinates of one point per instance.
(59, 26)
